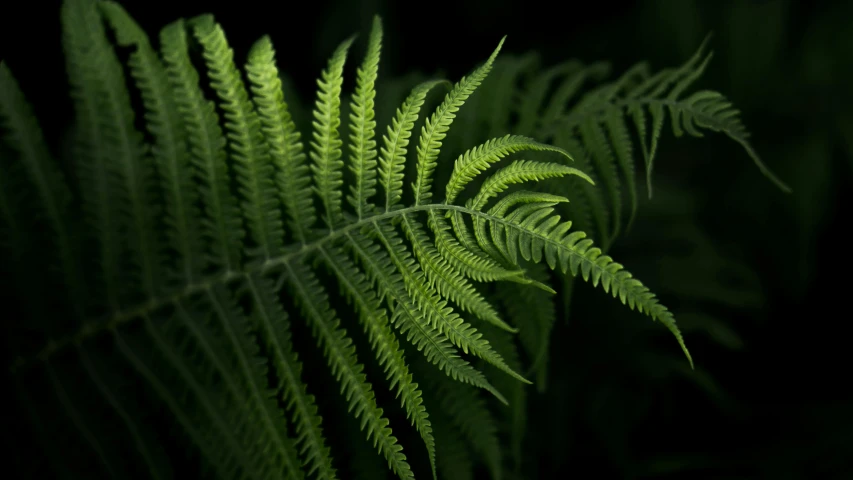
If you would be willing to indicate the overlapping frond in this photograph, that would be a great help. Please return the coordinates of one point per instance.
(601, 124)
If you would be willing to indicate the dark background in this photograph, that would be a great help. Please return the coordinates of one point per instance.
(779, 406)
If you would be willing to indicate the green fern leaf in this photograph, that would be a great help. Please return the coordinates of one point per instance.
(437, 125)
(292, 176)
(165, 125)
(222, 225)
(204, 296)
(326, 145)
(246, 143)
(362, 145)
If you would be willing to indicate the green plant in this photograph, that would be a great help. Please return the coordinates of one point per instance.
(201, 259)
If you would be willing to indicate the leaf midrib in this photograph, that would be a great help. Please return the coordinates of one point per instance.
(121, 317)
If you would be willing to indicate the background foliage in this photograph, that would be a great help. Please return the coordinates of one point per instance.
(751, 274)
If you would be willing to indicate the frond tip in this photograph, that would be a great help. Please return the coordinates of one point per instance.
(531, 231)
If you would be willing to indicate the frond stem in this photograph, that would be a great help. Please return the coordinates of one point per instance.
(123, 316)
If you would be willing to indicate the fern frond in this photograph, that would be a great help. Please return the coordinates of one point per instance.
(435, 310)
(570, 87)
(500, 96)
(539, 310)
(619, 137)
(112, 157)
(164, 124)
(393, 155)
(326, 145)
(596, 124)
(434, 131)
(275, 444)
(384, 342)
(531, 98)
(534, 233)
(340, 353)
(362, 126)
(292, 176)
(217, 341)
(249, 152)
(519, 172)
(589, 212)
(467, 411)
(221, 224)
(473, 265)
(273, 321)
(380, 267)
(594, 139)
(478, 159)
(449, 283)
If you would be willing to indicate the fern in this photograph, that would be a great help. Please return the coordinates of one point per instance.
(216, 240)
(603, 123)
